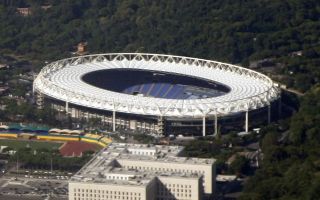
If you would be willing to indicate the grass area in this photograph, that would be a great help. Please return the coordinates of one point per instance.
(18, 144)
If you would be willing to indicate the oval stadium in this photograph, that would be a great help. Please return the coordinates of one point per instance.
(154, 93)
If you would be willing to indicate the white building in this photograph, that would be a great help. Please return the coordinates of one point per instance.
(143, 172)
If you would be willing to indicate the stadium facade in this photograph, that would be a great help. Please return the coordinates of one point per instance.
(163, 94)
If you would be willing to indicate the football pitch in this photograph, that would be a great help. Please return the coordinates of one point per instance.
(18, 144)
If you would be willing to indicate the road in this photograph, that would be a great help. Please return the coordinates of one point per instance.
(298, 93)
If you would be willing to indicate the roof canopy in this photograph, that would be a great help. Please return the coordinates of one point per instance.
(248, 89)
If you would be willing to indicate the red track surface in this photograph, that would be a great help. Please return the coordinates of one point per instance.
(76, 149)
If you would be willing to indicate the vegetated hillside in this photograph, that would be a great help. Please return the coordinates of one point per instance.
(291, 170)
(227, 30)
(230, 30)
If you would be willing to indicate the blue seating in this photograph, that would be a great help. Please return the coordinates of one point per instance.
(145, 88)
(180, 94)
(150, 89)
(133, 89)
(163, 90)
(128, 90)
(155, 89)
(173, 90)
(179, 90)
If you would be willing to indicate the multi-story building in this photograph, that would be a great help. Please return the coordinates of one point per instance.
(143, 172)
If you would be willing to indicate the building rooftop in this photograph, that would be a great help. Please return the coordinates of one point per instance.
(106, 167)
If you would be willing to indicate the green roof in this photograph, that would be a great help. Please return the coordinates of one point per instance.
(43, 128)
(29, 127)
(15, 126)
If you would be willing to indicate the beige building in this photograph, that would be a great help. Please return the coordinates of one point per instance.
(143, 172)
(24, 11)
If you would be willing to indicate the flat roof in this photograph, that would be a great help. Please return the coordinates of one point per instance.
(105, 167)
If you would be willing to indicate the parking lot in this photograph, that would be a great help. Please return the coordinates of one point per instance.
(13, 197)
(32, 189)
(40, 174)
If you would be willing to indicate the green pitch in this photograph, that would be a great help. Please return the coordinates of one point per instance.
(18, 144)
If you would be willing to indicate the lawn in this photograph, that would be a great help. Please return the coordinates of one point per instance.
(17, 144)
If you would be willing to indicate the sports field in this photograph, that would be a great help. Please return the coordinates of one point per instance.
(73, 148)
(17, 144)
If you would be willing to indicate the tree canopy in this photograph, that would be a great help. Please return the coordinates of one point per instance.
(290, 170)
(235, 31)
(225, 30)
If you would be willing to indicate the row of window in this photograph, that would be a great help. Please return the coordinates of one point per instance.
(90, 192)
(107, 198)
(117, 177)
(151, 153)
(166, 185)
(164, 169)
(98, 195)
(169, 190)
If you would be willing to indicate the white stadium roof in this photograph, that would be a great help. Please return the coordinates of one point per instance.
(249, 90)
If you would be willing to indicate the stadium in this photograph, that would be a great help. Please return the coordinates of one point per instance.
(155, 93)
